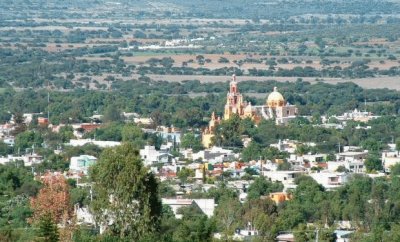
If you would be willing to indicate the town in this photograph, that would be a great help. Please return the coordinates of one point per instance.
(193, 121)
(192, 165)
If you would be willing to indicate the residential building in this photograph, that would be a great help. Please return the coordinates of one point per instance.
(279, 197)
(99, 143)
(389, 159)
(330, 180)
(81, 164)
(286, 177)
(151, 156)
(207, 206)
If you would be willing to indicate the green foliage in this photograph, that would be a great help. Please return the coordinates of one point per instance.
(47, 229)
(395, 170)
(166, 190)
(135, 207)
(110, 131)
(28, 139)
(190, 140)
(262, 187)
(373, 163)
(184, 174)
(133, 133)
(229, 132)
(4, 149)
(262, 214)
(112, 114)
(227, 215)
(66, 133)
(222, 192)
(251, 152)
(284, 166)
(80, 196)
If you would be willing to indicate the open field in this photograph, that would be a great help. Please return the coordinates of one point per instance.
(370, 83)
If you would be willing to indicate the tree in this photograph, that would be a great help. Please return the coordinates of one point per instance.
(112, 114)
(133, 133)
(195, 225)
(261, 214)
(373, 163)
(261, 187)
(126, 189)
(48, 231)
(28, 139)
(52, 199)
(395, 170)
(227, 215)
(302, 149)
(229, 132)
(251, 152)
(184, 174)
(20, 125)
(192, 141)
(4, 148)
(66, 133)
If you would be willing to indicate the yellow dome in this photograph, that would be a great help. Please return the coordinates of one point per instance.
(275, 99)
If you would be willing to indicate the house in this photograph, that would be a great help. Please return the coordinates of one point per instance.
(207, 206)
(389, 159)
(81, 164)
(144, 121)
(151, 156)
(352, 156)
(286, 177)
(170, 134)
(32, 159)
(215, 155)
(279, 197)
(285, 237)
(351, 166)
(330, 180)
(43, 121)
(82, 128)
(343, 235)
(83, 216)
(99, 143)
(10, 141)
(28, 159)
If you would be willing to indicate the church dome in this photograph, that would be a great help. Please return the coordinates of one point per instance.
(275, 99)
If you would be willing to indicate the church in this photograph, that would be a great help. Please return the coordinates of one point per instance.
(275, 108)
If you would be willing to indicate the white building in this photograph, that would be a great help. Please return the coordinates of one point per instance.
(83, 216)
(356, 166)
(99, 143)
(151, 156)
(215, 155)
(10, 141)
(352, 156)
(389, 159)
(28, 159)
(330, 180)
(207, 206)
(81, 164)
(287, 178)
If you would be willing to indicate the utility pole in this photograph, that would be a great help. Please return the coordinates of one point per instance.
(316, 235)
(365, 105)
(48, 102)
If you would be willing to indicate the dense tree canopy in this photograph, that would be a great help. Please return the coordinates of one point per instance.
(127, 191)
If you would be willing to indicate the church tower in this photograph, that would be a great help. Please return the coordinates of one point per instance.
(234, 101)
